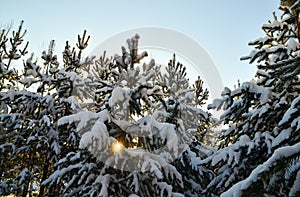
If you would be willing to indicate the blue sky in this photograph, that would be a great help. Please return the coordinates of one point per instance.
(223, 28)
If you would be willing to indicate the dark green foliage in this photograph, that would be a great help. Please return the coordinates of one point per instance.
(32, 101)
(44, 104)
(263, 119)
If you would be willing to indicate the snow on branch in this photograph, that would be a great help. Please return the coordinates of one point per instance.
(280, 154)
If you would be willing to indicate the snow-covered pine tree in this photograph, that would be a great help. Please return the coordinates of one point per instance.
(260, 152)
(139, 133)
(32, 100)
(180, 106)
(8, 78)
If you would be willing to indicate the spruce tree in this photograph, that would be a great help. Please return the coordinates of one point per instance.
(260, 149)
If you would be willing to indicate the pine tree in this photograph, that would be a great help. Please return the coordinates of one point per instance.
(136, 139)
(260, 149)
(32, 101)
(110, 127)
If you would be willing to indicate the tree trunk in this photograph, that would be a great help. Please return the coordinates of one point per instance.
(1, 172)
(25, 189)
(44, 177)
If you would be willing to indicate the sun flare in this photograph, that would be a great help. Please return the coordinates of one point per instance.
(117, 147)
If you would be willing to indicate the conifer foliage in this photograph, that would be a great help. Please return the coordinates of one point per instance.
(144, 121)
(33, 98)
(107, 127)
(260, 149)
(125, 126)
